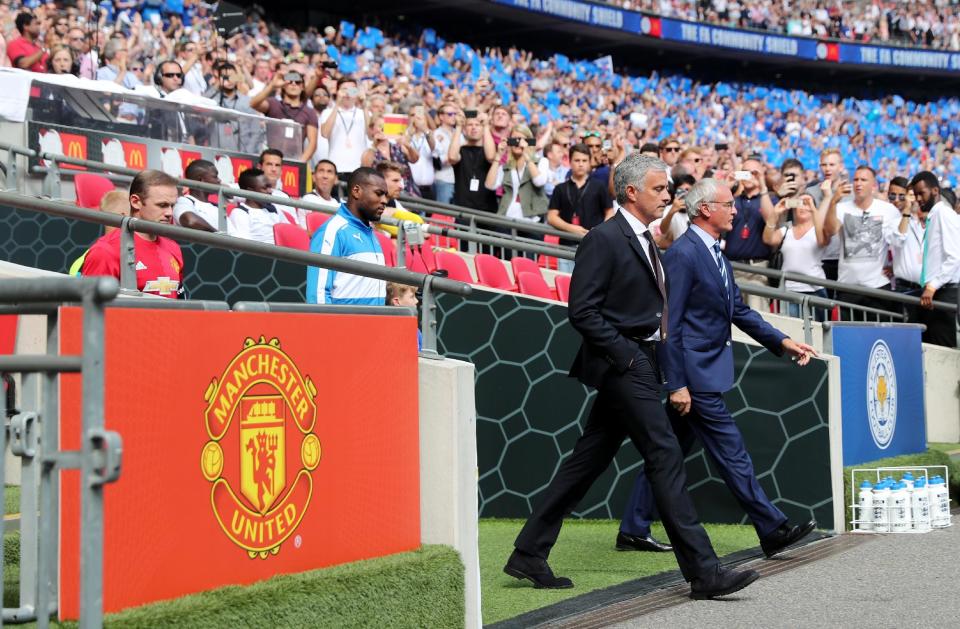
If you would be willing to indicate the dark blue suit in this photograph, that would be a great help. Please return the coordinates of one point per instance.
(698, 354)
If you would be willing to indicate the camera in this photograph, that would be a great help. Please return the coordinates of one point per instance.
(721, 146)
(794, 203)
(328, 64)
(513, 141)
(470, 113)
(742, 175)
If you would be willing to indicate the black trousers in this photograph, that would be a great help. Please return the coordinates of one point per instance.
(862, 300)
(628, 405)
(941, 325)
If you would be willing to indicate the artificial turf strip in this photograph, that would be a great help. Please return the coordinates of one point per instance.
(585, 553)
(11, 499)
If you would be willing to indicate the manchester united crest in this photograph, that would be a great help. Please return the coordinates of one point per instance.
(262, 450)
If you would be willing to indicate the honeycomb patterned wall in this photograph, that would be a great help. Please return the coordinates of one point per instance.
(529, 415)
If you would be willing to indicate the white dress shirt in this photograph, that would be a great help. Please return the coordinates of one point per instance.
(640, 229)
(209, 212)
(943, 246)
(907, 251)
(254, 223)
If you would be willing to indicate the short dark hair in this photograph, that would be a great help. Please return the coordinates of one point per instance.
(581, 148)
(147, 179)
(326, 161)
(245, 181)
(926, 177)
(900, 182)
(24, 19)
(345, 79)
(791, 163)
(197, 168)
(865, 167)
(948, 195)
(361, 176)
(649, 147)
(266, 152)
(387, 165)
(667, 140)
(683, 179)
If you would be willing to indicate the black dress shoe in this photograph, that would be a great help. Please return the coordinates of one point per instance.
(722, 582)
(784, 536)
(535, 570)
(648, 543)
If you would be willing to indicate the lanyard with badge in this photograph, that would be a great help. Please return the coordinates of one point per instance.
(347, 129)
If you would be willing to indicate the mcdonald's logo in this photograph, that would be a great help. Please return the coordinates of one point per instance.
(136, 159)
(290, 177)
(75, 146)
(135, 155)
(76, 150)
(240, 165)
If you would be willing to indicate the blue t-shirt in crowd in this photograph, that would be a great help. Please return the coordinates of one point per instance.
(745, 240)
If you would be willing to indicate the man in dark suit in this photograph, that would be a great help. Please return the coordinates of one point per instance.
(617, 303)
(697, 361)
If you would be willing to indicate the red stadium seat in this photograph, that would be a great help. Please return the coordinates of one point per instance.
(425, 256)
(563, 287)
(454, 265)
(90, 189)
(533, 284)
(293, 236)
(386, 243)
(315, 220)
(491, 273)
(548, 262)
(444, 242)
(519, 264)
(230, 208)
(290, 218)
(415, 262)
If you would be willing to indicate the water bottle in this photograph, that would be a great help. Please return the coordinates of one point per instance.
(908, 480)
(881, 520)
(864, 512)
(939, 503)
(920, 505)
(900, 508)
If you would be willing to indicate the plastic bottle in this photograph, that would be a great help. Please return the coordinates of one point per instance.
(908, 480)
(881, 519)
(920, 505)
(865, 512)
(900, 508)
(939, 503)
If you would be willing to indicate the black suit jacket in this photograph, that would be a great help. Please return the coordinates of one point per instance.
(613, 297)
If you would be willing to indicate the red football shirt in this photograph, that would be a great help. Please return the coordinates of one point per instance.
(159, 263)
(20, 47)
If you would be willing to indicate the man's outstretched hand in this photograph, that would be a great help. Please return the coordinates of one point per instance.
(680, 400)
(800, 352)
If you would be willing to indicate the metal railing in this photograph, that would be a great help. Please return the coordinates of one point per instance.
(428, 283)
(34, 435)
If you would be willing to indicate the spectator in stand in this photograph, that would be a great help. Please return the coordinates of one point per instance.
(324, 184)
(523, 196)
(675, 219)
(25, 52)
(692, 162)
(243, 136)
(801, 241)
(940, 267)
(392, 174)
(501, 122)
(194, 210)
(405, 296)
(350, 234)
(552, 164)
(670, 151)
(399, 151)
(61, 60)
(321, 101)
(188, 56)
(650, 149)
(906, 243)
(578, 204)
(159, 262)
(744, 243)
(262, 74)
(421, 140)
(345, 126)
(251, 219)
(115, 69)
(864, 225)
(271, 163)
(292, 105)
(442, 137)
(470, 164)
(600, 169)
(85, 61)
(831, 169)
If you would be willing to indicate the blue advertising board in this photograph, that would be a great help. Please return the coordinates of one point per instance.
(748, 41)
(881, 385)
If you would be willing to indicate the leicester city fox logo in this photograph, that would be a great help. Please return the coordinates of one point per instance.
(262, 450)
(881, 394)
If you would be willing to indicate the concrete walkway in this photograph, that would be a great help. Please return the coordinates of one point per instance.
(875, 581)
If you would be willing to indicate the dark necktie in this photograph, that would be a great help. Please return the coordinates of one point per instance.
(722, 267)
(658, 273)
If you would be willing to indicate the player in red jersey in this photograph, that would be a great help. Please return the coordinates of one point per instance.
(159, 262)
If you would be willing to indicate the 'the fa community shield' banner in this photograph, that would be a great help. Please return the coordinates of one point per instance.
(881, 376)
(254, 444)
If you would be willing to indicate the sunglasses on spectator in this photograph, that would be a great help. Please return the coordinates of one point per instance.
(671, 149)
(893, 196)
(172, 75)
(591, 134)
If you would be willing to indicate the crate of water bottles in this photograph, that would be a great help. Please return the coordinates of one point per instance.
(900, 499)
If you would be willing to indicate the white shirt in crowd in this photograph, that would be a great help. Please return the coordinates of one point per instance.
(943, 246)
(313, 197)
(555, 176)
(802, 255)
(254, 223)
(193, 80)
(515, 210)
(422, 169)
(205, 210)
(678, 224)
(907, 251)
(863, 242)
(441, 147)
(348, 138)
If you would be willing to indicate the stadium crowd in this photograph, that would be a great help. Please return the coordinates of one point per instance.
(536, 139)
(925, 23)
